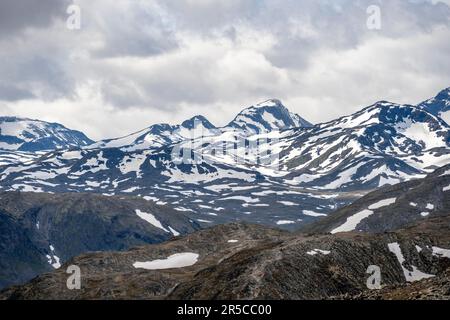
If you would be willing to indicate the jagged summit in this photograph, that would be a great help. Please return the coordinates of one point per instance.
(271, 103)
(199, 119)
(267, 116)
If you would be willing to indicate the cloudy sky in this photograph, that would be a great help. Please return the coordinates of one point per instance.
(138, 62)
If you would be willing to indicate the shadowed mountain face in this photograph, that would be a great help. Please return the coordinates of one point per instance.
(39, 232)
(439, 105)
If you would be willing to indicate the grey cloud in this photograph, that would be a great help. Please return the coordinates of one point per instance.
(144, 29)
(157, 56)
(43, 77)
(302, 27)
(17, 15)
(203, 16)
(13, 93)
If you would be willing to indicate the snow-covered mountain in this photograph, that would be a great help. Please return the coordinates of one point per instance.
(439, 105)
(382, 144)
(159, 135)
(33, 135)
(266, 117)
(315, 169)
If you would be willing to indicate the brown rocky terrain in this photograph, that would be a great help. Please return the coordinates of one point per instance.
(262, 264)
(436, 288)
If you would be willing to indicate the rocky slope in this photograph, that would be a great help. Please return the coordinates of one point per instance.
(436, 288)
(241, 261)
(39, 232)
(392, 207)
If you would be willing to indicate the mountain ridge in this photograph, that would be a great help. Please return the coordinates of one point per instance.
(314, 170)
(439, 105)
(160, 134)
(242, 261)
(24, 134)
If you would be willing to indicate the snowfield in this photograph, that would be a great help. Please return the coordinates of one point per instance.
(178, 260)
(440, 252)
(382, 203)
(352, 222)
(155, 222)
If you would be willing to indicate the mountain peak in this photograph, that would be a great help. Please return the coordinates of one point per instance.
(271, 103)
(267, 116)
(444, 94)
(25, 134)
(192, 122)
(439, 105)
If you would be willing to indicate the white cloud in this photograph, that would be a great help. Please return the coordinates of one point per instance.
(135, 63)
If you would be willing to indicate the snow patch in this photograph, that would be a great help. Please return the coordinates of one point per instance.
(285, 222)
(353, 221)
(178, 260)
(439, 252)
(53, 259)
(318, 251)
(410, 276)
(151, 219)
(287, 203)
(382, 203)
(174, 232)
(313, 214)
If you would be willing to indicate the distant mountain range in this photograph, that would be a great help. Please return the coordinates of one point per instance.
(19, 134)
(317, 168)
(384, 169)
(267, 116)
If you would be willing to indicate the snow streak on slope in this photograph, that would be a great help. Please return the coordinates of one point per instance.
(412, 274)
